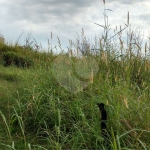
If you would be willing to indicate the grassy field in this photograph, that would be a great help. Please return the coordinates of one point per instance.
(49, 101)
(43, 108)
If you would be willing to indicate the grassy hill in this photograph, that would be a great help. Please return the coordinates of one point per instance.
(45, 104)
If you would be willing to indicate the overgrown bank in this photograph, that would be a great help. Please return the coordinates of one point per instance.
(39, 112)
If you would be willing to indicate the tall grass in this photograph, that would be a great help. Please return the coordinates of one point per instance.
(41, 112)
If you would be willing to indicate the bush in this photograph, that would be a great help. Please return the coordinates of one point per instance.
(11, 58)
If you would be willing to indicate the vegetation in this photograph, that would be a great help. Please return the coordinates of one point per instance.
(53, 103)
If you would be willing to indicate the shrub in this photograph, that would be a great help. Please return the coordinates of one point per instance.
(11, 58)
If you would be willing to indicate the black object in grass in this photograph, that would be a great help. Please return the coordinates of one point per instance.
(104, 130)
(103, 116)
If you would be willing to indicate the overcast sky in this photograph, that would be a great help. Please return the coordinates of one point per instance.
(66, 18)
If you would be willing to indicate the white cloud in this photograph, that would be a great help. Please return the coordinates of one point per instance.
(65, 18)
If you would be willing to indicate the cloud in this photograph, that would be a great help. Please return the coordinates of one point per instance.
(65, 18)
(144, 17)
(128, 2)
(41, 11)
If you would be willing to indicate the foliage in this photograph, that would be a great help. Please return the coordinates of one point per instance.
(38, 112)
(11, 58)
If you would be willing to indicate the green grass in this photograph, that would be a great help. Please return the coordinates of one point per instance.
(38, 113)
(53, 103)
